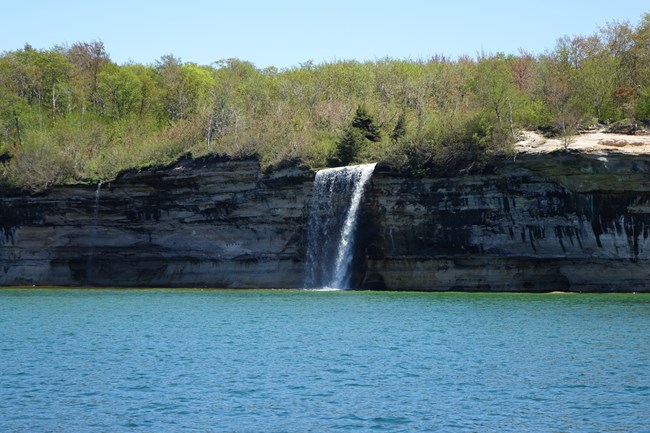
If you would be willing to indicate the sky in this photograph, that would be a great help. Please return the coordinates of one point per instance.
(284, 33)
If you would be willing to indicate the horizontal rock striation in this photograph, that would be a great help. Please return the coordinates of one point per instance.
(565, 222)
(208, 222)
(569, 222)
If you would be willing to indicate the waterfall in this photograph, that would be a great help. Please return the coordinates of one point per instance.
(93, 239)
(98, 193)
(336, 198)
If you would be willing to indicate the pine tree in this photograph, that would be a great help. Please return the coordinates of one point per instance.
(348, 146)
(364, 122)
(400, 128)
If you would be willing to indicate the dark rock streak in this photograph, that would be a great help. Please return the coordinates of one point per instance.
(568, 222)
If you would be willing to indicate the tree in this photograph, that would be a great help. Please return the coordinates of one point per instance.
(595, 83)
(495, 89)
(119, 91)
(46, 73)
(366, 125)
(184, 86)
(88, 59)
(400, 128)
(557, 90)
(355, 137)
(348, 146)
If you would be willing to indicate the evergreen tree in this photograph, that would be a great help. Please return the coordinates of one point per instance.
(348, 147)
(400, 128)
(365, 123)
(355, 137)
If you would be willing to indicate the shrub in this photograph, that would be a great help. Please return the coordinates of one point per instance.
(38, 164)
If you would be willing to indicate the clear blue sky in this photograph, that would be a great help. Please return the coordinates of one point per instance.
(286, 33)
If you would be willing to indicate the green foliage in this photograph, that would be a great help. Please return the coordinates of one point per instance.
(400, 128)
(355, 138)
(366, 125)
(39, 163)
(70, 114)
(185, 87)
(348, 147)
(119, 91)
(643, 106)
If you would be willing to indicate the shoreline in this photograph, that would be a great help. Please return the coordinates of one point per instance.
(290, 290)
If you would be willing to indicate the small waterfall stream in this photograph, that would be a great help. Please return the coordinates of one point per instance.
(91, 252)
(98, 193)
(337, 195)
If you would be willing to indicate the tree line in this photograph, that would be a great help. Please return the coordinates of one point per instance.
(70, 114)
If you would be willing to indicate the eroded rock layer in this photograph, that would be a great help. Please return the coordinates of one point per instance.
(569, 222)
(563, 222)
(199, 223)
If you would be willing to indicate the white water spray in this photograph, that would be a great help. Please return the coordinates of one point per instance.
(337, 195)
(93, 239)
(98, 193)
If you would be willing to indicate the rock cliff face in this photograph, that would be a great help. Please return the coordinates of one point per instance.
(565, 222)
(548, 222)
(199, 223)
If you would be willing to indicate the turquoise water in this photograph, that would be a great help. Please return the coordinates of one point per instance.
(291, 361)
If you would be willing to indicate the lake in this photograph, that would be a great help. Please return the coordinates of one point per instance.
(301, 361)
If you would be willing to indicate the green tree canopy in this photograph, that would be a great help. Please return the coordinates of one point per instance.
(69, 114)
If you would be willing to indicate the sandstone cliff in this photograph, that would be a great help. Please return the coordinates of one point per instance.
(572, 222)
(569, 222)
(199, 223)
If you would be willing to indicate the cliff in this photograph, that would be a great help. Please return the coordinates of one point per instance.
(574, 222)
(210, 222)
(567, 222)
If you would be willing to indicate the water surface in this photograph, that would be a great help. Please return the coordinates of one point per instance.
(291, 361)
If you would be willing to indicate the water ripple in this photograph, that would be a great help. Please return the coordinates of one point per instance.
(282, 361)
